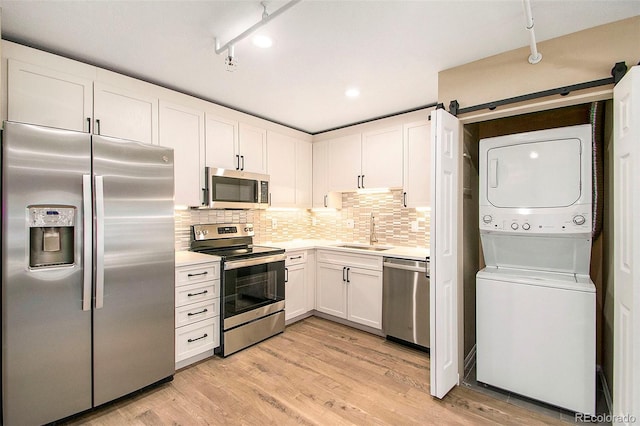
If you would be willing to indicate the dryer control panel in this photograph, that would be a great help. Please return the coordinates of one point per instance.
(528, 222)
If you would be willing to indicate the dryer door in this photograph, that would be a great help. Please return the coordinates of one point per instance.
(534, 174)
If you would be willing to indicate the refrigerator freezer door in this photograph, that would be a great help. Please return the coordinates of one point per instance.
(46, 335)
(133, 338)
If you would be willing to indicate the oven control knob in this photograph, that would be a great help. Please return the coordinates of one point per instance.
(579, 219)
(514, 226)
(487, 218)
(526, 226)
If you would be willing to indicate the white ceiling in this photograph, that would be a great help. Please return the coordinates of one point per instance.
(392, 50)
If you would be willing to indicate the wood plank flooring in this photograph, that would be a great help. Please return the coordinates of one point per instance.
(315, 373)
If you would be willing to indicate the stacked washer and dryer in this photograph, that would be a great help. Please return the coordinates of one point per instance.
(535, 302)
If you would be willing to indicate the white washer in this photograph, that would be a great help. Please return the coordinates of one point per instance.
(536, 335)
(535, 303)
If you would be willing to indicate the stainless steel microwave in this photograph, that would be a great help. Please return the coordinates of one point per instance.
(235, 189)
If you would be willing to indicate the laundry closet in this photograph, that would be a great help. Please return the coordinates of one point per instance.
(587, 254)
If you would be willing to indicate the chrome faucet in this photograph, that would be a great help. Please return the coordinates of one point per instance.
(372, 233)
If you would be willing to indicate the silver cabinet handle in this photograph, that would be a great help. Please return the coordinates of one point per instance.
(99, 242)
(87, 230)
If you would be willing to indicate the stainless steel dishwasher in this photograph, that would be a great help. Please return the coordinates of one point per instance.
(405, 300)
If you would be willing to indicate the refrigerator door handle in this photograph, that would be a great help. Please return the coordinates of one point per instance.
(87, 242)
(99, 242)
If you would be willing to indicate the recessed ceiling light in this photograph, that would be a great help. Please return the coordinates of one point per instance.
(262, 41)
(352, 93)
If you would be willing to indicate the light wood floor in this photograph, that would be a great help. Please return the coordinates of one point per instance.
(316, 373)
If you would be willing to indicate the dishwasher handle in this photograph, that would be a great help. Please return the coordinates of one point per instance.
(404, 267)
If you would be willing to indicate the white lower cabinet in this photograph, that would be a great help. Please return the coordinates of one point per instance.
(299, 284)
(197, 312)
(350, 287)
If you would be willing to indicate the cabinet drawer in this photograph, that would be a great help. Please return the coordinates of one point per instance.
(197, 273)
(295, 258)
(373, 261)
(196, 338)
(194, 312)
(197, 292)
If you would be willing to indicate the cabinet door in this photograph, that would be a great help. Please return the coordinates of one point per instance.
(221, 142)
(331, 291)
(365, 297)
(320, 173)
(124, 114)
(182, 129)
(382, 158)
(47, 97)
(303, 174)
(417, 163)
(281, 162)
(295, 291)
(253, 149)
(345, 156)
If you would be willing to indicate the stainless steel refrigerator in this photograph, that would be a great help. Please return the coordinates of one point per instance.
(87, 271)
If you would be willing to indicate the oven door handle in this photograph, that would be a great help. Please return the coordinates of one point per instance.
(236, 264)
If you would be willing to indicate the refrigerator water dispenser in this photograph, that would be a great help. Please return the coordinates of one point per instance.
(51, 236)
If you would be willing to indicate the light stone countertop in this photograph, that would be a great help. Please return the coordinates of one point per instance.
(414, 253)
(186, 257)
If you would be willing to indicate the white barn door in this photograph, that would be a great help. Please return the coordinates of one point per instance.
(626, 251)
(446, 248)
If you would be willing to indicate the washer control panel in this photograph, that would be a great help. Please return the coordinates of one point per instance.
(537, 222)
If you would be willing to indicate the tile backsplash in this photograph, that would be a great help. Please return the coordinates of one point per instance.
(393, 223)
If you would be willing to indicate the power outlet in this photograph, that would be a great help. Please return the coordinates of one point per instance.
(414, 226)
(274, 223)
(350, 223)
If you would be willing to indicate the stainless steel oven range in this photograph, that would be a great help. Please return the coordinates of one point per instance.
(253, 282)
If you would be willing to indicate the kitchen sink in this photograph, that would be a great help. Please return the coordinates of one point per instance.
(364, 247)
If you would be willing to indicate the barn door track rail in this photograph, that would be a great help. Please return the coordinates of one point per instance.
(617, 72)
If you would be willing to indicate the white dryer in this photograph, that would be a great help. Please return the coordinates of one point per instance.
(535, 302)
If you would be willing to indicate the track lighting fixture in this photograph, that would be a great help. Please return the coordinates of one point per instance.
(230, 59)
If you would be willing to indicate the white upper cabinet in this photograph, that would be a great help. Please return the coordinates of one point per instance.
(368, 160)
(252, 150)
(304, 175)
(182, 129)
(47, 97)
(126, 114)
(345, 160)
(322, 197)
(289, 168)
(382, 158)
(56, 98)
(221, 142)
(281, 160)
(417, 160)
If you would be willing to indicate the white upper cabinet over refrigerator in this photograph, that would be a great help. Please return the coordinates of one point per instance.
(417, 160)
(48, 97)
(62, 93)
